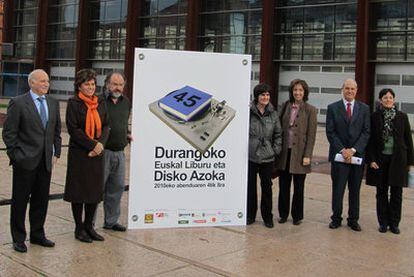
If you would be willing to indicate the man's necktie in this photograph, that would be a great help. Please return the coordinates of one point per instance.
(43, 115)
(348, 110)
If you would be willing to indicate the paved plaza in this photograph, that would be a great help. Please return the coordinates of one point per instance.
(310, 249)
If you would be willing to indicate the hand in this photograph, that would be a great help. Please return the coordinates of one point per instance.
(347, 153)
(98, 148)
(374, 165)
(348, 160)
(54, 161)
(92, 154)
(306, 161)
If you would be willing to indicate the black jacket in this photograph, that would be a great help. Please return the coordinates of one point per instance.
(402, 155)
(344, 133)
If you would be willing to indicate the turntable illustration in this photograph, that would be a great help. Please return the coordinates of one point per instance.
(194, 115)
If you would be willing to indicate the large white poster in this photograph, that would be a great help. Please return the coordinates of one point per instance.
(190, 150)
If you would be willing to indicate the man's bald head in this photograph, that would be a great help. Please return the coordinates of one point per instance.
(349, 89)
(38, 81)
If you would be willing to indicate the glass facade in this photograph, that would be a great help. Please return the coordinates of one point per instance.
(14, 77)
(316, 30)
(163, 24)
(318, 37)
(392, 29)
(61, 29)
(25, 22)
(231, 27)
(107, 30)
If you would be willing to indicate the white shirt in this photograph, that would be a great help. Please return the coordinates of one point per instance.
(346, 105)
(38, 103)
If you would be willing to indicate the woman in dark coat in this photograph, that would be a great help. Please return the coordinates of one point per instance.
(87, 123)
(389, 155)
(265, 141)
(298, 119)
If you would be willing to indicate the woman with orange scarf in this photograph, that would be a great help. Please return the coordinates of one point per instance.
(87, 124)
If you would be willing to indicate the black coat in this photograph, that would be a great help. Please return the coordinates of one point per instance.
(24, 136)
(402, 155)
(85, 175)
(343, 133)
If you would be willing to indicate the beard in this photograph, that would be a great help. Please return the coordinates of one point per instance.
(116, 94)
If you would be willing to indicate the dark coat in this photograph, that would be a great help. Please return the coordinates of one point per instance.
(265, 135)
(23, 133)
(85, 175)
(304, 131)
(343, 133)
(402, 155)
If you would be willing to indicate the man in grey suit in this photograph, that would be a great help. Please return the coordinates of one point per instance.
(348, 130)
(32, 137)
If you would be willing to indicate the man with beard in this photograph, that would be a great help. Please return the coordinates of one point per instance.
(119, 108)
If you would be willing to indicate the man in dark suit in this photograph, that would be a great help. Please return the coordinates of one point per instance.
(348, 130)
(32, 136)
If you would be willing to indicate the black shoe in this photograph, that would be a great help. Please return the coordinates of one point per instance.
(282, 220)
(250, 221)
(395, 229)
(82, 236)
(94, 235)
(334, 224)
(269, 224)
(355, 226)
(42, 242)
(297, 222)
(382, 228)
(20, 247)
(116, 227)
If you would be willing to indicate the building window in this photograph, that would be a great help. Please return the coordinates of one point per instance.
(107, 31)
(408, 80)
(331, 90)
(62, 26)
(388, 79)
(231, 27)
(14, 78)
(392, 29)
(163, 24)
(407, 108)
(316, 30)
(25, 22)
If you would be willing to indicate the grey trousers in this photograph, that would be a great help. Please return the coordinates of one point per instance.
(114, 178)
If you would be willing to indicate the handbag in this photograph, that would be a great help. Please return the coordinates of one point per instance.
(411, 178)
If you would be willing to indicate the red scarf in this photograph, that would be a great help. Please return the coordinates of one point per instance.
(93, 121)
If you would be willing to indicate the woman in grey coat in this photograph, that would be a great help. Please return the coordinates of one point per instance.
(298, 119)
(265, 142)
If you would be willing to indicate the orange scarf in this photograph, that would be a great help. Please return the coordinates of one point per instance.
(93, 121)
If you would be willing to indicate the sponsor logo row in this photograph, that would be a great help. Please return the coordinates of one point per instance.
(195, 218)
